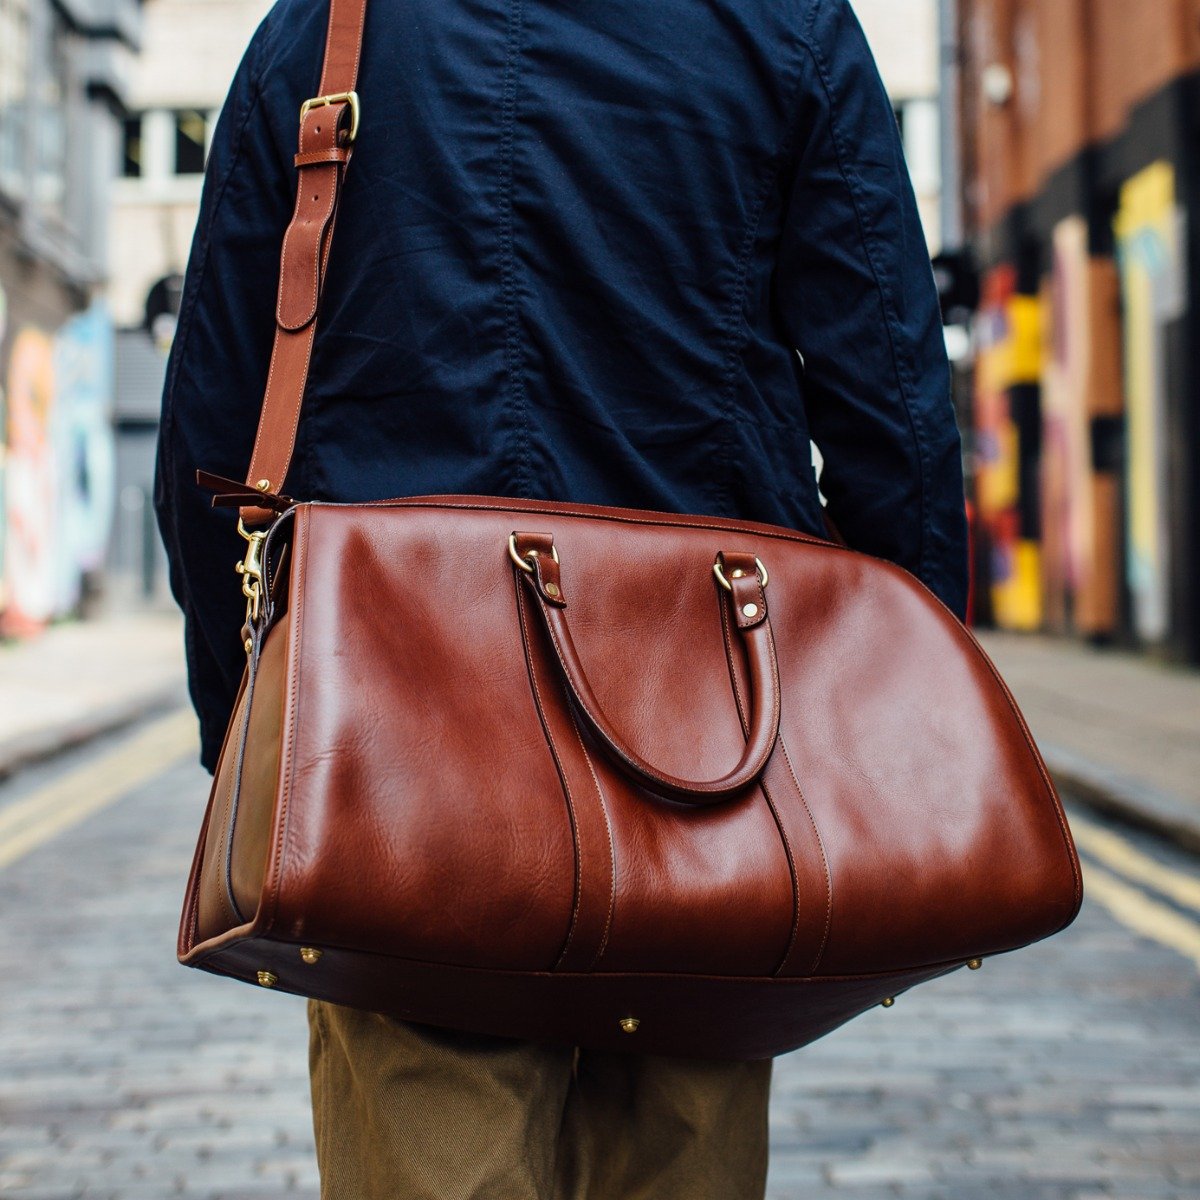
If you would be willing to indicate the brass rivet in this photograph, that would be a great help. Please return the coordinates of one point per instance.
(249, 645)
(263, 485)
(888, 1002)
(739, 574)
(552, 589)
(534, 553)
(975, 964)
(629, 1024)
(310, 954)
(268, 978)
(751, 610)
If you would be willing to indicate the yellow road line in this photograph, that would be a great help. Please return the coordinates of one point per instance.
(1137, 911)
(32, 821)
(1115, 852)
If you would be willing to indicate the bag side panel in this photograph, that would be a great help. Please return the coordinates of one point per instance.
(424, 813)
(944, 836)
(214, 909)
(258, 786)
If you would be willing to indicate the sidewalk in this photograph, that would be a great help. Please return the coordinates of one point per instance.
(1120, 732)
(81, 679)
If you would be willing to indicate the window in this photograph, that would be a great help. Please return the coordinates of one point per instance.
(14, 92)
(191, 135)
(49, 118)
(131, 147)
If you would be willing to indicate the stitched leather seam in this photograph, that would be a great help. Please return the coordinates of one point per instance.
(812, 970)
(234, 802)
(274, 467)
(287, 763)
(298, 224)
(612, 853)
(636, 518)
(775, 689)
(743, 704)
(293, 231)
(298, 404)
(219, 856)
(766, 791)
(327, 85)
(558, 763)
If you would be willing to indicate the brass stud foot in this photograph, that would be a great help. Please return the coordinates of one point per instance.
(975, 964)
(310, 954)
(267, 978)
(629, 1024)
(887, 1002)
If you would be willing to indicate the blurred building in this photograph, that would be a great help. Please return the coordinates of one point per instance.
(190, 50)
(63, 75)
(904, 38)
(1079, 140)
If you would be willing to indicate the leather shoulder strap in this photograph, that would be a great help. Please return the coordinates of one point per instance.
(328, 127)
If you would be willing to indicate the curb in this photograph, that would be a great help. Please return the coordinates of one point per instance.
(1127, 800)
(29, 749)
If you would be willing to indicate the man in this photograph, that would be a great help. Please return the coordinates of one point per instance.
(628, 253)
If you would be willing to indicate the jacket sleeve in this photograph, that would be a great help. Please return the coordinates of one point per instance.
(215, 379)
(856, 295)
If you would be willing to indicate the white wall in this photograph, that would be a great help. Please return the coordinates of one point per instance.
(904, 36)
(190, 51)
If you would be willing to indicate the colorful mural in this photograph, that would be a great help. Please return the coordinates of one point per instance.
(58, 481)
(1007, 441)
(30, 484)
(1151, 241)
(1081, 399)
(3, 451)
(84, 449)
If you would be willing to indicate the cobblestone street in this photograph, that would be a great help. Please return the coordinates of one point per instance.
(1071, 1070)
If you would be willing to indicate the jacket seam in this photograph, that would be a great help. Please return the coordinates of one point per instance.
(518, 398)
(736, 312)
(868, 237)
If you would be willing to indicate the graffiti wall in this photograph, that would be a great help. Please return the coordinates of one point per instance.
(58, 468)
(1151, 241)
(1007, 444)
(1081, 409)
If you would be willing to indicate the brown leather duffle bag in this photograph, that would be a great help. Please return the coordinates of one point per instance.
(669, 784)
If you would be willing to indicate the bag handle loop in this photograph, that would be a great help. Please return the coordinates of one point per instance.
(745, 580)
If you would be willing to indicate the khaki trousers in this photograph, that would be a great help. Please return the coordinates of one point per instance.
(405, 1112)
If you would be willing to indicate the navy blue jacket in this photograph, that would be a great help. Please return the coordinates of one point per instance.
(579, 247)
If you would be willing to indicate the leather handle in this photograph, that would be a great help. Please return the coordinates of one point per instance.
(535, 555)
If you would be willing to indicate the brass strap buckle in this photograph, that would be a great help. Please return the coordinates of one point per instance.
(350, 98)
(251, 570)
(720, 574)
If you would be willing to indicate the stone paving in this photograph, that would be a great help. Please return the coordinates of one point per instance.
(1070, 1071)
